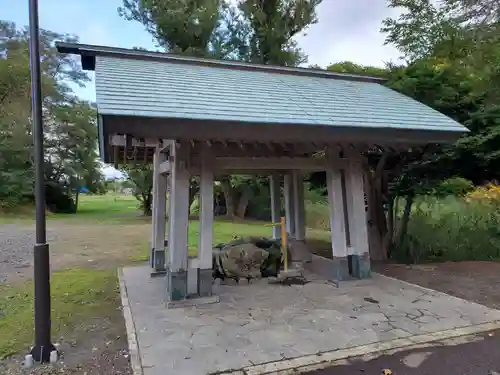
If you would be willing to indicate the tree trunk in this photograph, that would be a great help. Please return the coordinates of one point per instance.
(390, 227)
(77, 195)
(147, 199)
(243, 202)
(404, 220)
(377, 223)
(228, 196)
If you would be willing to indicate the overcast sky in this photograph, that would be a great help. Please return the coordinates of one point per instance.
(347, 30)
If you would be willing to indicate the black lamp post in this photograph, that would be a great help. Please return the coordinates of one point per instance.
(43, 345)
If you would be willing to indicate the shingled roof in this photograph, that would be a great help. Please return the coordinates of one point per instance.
(161, 95)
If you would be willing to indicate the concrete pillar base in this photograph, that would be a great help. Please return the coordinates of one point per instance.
(158, 273)
(205, 282)
(159, 260)
(192, 302)
(340, 268)
(176, 285)
(360, 265)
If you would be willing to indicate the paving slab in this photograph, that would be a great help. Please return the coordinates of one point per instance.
(260, 323)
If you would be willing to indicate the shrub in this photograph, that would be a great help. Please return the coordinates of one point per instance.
(456, 186)
(452, 229)
(489, 193)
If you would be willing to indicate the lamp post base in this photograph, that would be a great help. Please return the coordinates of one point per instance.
(41, 354)
(42, 346)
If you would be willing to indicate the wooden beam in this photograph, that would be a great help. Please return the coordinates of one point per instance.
(243, 163)
(126, 140)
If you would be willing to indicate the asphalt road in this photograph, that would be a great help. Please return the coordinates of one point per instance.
(478, 357)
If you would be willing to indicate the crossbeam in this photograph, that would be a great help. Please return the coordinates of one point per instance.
(256, 165)
(242, 163)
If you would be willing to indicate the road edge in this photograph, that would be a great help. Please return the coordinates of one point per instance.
(326, 359)
(133, 347)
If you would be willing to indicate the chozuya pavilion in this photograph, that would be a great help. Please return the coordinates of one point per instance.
(192, 116)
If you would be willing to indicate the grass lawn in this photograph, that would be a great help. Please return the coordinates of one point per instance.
(78, 297)
(107, 232)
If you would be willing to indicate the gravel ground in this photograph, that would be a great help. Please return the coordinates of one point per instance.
(16, 250)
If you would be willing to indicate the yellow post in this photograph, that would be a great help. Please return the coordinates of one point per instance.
(284, 243)
(282, 223)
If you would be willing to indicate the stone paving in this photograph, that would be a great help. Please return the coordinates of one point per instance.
(258, 322)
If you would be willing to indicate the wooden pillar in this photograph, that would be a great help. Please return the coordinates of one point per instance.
(299, 206)
(337, 224)
(205, 240)
(178, 224)
(289, 206)
(358, 227)
(275, 192)
(159, 213)
(156, 164)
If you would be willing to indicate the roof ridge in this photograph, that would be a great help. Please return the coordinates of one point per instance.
(89, 52)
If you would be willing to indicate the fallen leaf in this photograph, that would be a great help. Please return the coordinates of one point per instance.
(386, 371)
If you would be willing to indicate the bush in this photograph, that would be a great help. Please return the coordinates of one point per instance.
(456, 186)
(58, 200)
(489, 193)
(452, 229)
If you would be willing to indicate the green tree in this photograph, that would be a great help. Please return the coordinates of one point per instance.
(271, 26)
(451, 65)
(71, 148)
(353, 68)
(141, 178)
(191, 27)
(69, 124)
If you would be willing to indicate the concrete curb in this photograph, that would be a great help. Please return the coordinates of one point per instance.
(326, 359)
(133, 347)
